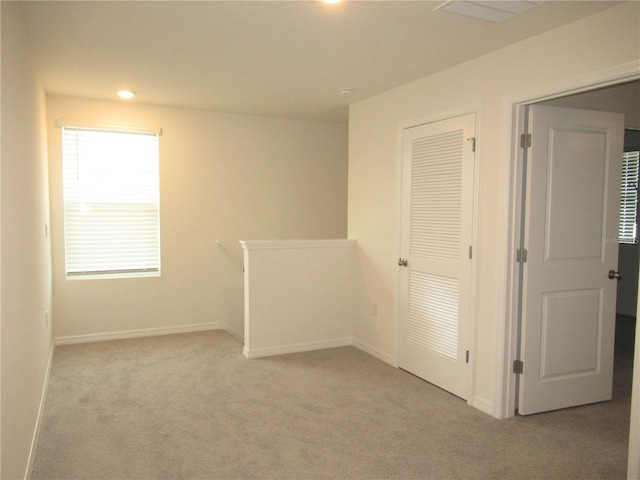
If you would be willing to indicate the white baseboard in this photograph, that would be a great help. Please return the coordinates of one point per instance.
(234, 333)
(306, 347)
(145, 332)
(483, 405)
(295, 348)
(374, 352)
(480, 403)
(43, 398)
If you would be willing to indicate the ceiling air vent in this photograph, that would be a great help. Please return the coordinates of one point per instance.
(495, 11)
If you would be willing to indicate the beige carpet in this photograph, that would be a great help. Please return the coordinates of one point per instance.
(192, 407)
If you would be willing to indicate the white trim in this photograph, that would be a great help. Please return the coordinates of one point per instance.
(230, 251)
(482, 404)
(75, 276)
(510, 215)
(438, 117)
(144, 332)
(293, 244)
(398, 247)
(374, 352)
(234, 333)
(295, 348)
(43, 398)
(475, 244)
(108, 127)
(607, 77)
(513, 107)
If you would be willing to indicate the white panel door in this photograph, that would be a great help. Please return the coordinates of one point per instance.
(437, 208)
(571, 230)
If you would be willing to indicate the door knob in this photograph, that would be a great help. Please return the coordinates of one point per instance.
(402, 262)
(613, 274)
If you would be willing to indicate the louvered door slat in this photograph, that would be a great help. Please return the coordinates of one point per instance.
(436, 195)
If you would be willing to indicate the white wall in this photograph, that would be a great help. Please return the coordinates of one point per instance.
(298, 295)
(222, 177)
(608, 39)
(25, 252)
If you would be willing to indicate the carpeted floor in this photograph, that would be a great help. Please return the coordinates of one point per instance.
(191, 406)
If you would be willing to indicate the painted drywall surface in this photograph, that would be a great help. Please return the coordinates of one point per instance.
(25, 261)
(297, 296)
(601, 41)
(223, 177)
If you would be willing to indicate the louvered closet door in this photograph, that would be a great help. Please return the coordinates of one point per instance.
(437, 206)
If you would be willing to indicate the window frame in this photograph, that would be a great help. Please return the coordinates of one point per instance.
(116, 204)
(627, 189)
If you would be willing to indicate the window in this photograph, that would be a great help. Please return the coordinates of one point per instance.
(111, 203)
(629, 198)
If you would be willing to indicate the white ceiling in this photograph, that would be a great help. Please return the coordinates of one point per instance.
(275, 58)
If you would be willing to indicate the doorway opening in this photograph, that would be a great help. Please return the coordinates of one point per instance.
(620, 75)
(616, 89)
(623, 98)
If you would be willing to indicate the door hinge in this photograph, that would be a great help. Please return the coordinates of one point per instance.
(525, 140)
(466, 359)
(521, 255)
(518, 366)
(473, 143)
(470, 251)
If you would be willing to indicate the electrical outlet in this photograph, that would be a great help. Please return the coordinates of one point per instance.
(374, 309)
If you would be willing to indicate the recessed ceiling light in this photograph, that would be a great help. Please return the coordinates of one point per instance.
(345, 91)
(331, 1)
(127, 94)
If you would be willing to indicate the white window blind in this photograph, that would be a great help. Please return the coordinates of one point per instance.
(629, 198)
(111, 202)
